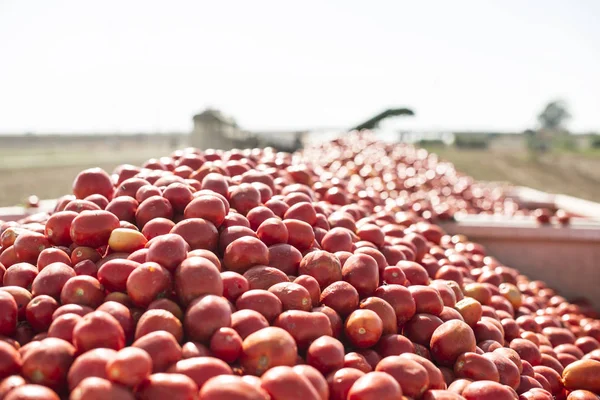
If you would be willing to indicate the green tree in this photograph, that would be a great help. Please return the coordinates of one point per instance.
(554, 115)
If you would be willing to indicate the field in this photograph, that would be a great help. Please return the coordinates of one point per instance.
(49, 174)
(572, 173)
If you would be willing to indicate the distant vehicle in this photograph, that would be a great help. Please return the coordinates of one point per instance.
(372, 123)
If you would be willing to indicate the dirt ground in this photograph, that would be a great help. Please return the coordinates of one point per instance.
(49, 175)
(572, 173)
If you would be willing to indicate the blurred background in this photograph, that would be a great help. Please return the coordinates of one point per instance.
(507, 90)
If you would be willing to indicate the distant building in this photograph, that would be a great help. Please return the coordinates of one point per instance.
(215, 130)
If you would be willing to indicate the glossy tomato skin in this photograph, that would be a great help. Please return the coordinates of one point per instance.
(93, 228)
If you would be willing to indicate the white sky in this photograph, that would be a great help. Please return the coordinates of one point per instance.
(130, 65)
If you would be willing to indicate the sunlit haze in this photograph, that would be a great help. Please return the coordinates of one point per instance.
(122, 66)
